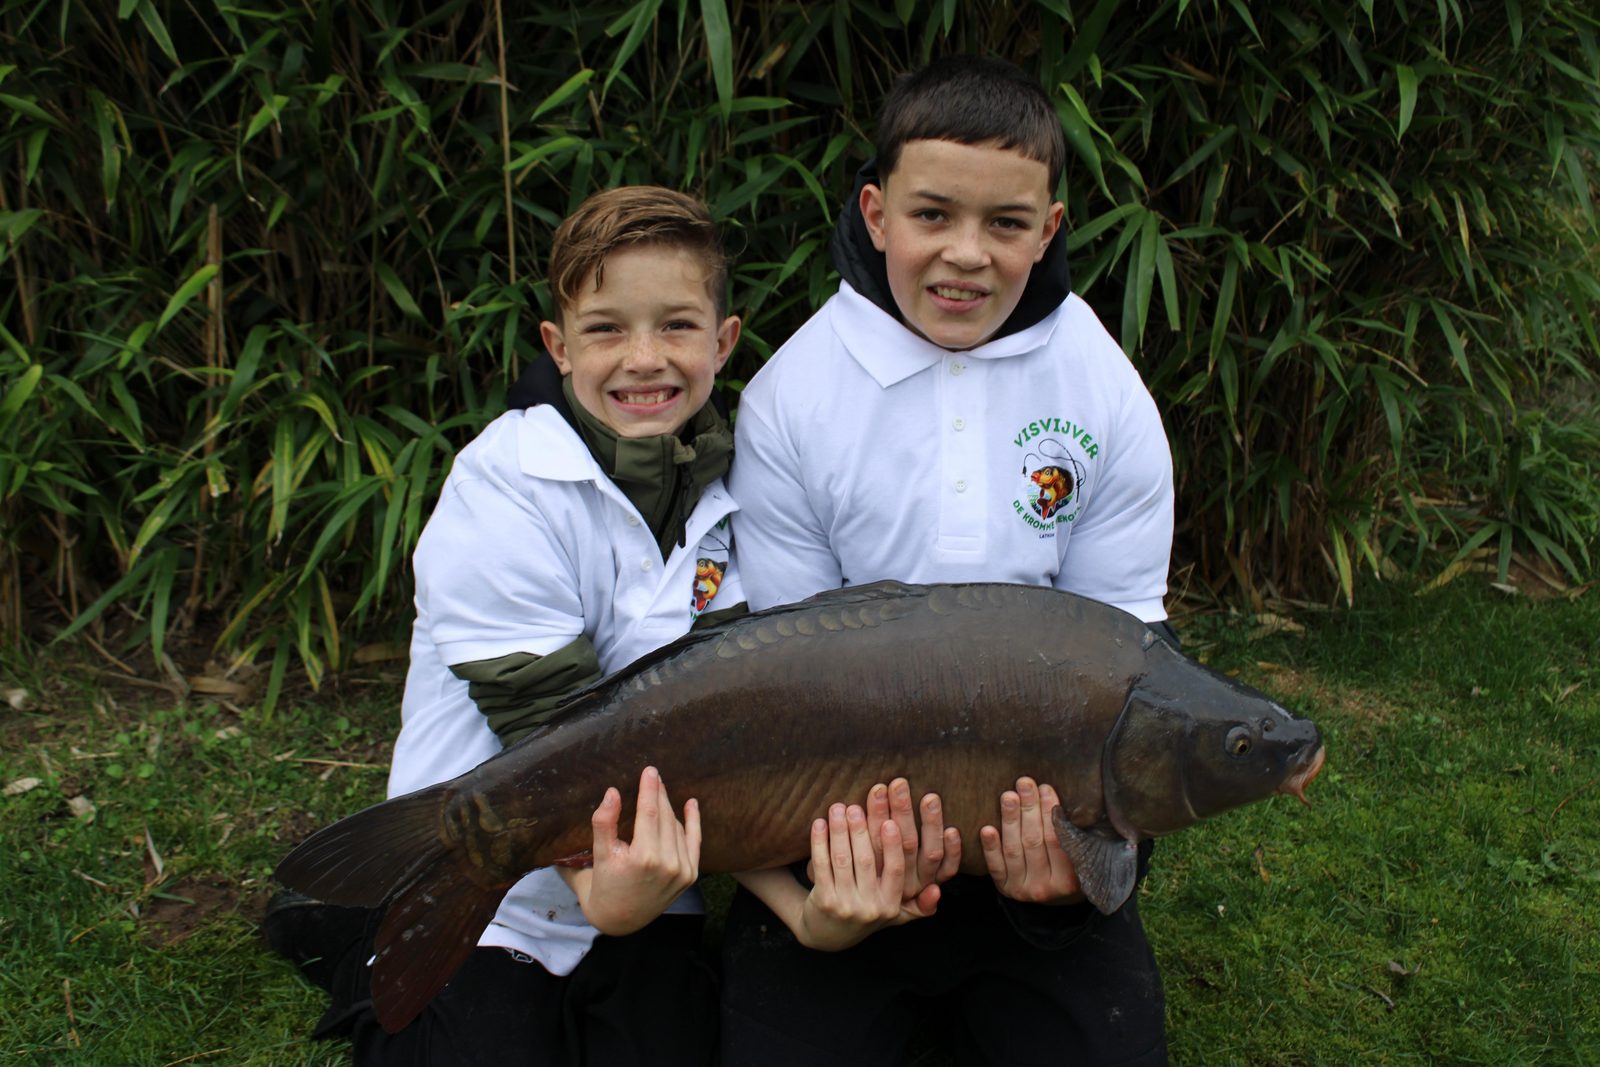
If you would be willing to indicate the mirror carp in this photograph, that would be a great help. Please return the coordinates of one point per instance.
(768, 718)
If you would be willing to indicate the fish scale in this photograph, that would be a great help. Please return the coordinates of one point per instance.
(768, 718)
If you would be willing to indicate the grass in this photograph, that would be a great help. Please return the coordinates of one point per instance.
(1438, 904)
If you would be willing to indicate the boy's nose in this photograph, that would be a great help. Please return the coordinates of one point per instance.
(965, 250)
(643, 355)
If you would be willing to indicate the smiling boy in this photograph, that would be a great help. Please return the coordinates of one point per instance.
(955, 413)
(573, 535)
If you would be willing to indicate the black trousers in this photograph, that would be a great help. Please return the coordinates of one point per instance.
(645, 999)
(1081, 988)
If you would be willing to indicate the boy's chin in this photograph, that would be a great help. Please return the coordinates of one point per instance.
(953, 337)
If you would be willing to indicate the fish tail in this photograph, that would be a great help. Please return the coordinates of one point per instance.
(396, 855)
(427, 933)
(365, 859)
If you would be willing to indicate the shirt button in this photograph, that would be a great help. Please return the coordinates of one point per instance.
(961, 485)
(960, 424)
(633, 520)
(957, 368)
(645, 564)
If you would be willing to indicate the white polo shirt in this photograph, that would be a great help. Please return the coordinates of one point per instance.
(865, 452)
(529, 547)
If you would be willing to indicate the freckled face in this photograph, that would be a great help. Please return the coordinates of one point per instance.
(643, 349)
(961, 227)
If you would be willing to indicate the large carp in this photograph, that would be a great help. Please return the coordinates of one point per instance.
(959, 688)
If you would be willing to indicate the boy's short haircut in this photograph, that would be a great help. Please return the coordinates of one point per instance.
(971, 100)
(634, 215)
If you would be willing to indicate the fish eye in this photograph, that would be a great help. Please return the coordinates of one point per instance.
(1238, 742)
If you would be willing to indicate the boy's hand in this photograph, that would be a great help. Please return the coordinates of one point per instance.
(928, 861)
(850, 897)
(1025, 860)
(633, 883)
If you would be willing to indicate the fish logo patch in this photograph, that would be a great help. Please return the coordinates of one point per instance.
(1055, 453)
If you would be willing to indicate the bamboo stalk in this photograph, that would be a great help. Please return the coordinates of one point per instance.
(505, 144)
(214, 339)
(30, 324)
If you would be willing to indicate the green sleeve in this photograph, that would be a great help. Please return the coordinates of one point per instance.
(519, 691)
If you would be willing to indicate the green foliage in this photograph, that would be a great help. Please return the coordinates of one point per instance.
(268, 266)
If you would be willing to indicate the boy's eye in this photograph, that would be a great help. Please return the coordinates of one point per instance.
(682, 324)
(600, 327)
(1007, 223)
(929, 214)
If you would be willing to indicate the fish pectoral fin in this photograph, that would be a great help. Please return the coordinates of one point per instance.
(1106, 867)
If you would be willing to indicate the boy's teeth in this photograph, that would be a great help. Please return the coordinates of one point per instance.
(954, 294)
(656, 397)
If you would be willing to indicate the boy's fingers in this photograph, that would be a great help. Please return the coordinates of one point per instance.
(604, 823)
(691, 831)
(839, 843)
(821, 843)
(1030, 823)
(894, 865)
(1048, 803)
(877, 814)
(952, 855)
(931, 856)
(904, 816)
(993, 855)
(866, 857)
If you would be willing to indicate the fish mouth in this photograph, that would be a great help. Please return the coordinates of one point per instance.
(1295, 784)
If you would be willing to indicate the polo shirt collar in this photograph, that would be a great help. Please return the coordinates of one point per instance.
(890, 352)
(547, 447)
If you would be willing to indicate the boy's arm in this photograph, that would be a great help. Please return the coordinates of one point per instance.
(1122, 545)
(517, 692)
(784, 552)
(496, 585)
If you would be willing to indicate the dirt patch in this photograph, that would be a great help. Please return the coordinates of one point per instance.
(188, 906)
(1296, 687)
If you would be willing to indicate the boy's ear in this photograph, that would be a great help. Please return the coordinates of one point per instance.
(556, 345)
(872, 211)
(1052, 223)
(727, 337)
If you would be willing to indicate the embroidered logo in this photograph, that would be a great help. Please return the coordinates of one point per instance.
(709, 569)
(707, 580)
(1054, 454)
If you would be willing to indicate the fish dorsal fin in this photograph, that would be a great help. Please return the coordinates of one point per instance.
(884, 590)
(1107, 867)
(583, 700)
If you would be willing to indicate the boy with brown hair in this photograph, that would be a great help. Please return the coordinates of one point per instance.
(577, 532)
(955, 413)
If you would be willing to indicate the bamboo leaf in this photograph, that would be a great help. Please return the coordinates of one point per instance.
(187, 292)
(397, 291)
(562, 93)
(21, 389)
(719, 46)
(158, 33)
(26, 106)
(1407, 78)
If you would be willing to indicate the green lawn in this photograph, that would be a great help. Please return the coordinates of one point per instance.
(1438, 904)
